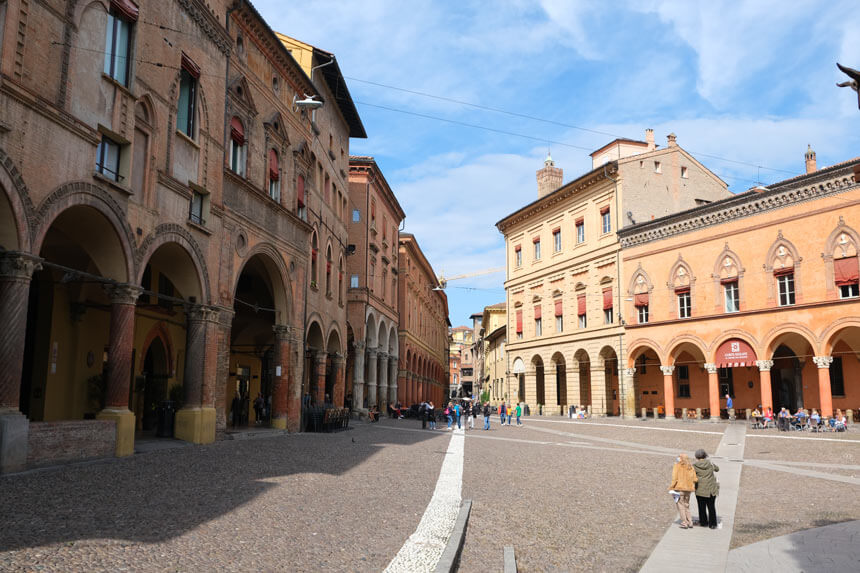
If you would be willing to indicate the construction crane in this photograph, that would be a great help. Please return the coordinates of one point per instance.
(443, 280)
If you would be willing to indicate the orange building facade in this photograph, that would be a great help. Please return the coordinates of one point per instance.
(755, 296)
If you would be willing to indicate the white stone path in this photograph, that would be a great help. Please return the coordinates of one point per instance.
(424, 548)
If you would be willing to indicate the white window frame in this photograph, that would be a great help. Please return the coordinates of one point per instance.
(731, 292)
(556, 241)
(642, 314)
(537, 249)
(275, 189)
(607, 316)
(559, 324)
(238, 155)
(538, 327)
(606, 222)
(197, 207)
(119, 31)
(849, 291)
(580, 233)
(786, 289)
(583, 321)
(685, 305)
(519, 257)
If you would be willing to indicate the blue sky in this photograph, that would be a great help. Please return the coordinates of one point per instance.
(744, 85)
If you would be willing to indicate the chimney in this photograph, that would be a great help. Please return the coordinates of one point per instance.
(811, 164)
(649, 139)
(549, 178)
(671, 140)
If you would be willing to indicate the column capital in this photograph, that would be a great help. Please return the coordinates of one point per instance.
(823, 362)
(338, 358)
(371, 351)
(667, 370)
(17, 265)
(630, 372)
(711, 367)
(283, 332)
(359, 345)
(123, 293)
(321, 355)
(201, 313)
(764, 365)
(382, 355)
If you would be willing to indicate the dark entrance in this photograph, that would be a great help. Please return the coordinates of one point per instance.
(151, 387)
(786, 380)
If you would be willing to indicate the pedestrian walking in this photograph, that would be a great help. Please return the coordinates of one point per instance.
(519, 412)
(258, 408)
(487, 415)
(235, 408)
(422, 410)
(707, 489)
(502, 412)
(431, 415)
(510, 411)
(472, 408)
(683, 484)
(449, 412)
(458, 413)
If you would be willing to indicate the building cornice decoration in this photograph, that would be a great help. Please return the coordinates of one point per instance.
(740, 206)
(208, 23)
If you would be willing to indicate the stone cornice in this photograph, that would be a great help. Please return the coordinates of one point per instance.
(542, 204)
(834, 180)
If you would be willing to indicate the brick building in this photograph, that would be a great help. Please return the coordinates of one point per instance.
(564, 268)
(461, 341)
(174, 241)
(423, 334)
(372, 269)
(755, 296)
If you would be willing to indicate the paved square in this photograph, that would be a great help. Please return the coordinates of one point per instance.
(567, 495)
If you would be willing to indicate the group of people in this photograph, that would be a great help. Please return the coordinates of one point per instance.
(800, 420)
(463, 414)
(698, 478)
(239, 409)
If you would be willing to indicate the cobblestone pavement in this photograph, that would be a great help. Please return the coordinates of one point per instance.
(567, 495)
(306, 502)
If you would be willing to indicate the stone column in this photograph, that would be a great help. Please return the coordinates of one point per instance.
(403, 377)
(549, 392)
(358, 377)
(371, 377)
(294, 367)
(668, 391)
(713, 390)
(195, 422)
(280, 382)
(382, 375)
(16, 271)
(764, 367)
(320, 363)
(222, 375)
(392, 380)
(824, 395)
(123, 298)
(339, 365)
(628, 393)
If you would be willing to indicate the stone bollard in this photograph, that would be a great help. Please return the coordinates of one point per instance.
(656, 413)
(749, 413)
(699, 414)
(849, 415)
(684, 414)
(644, 413)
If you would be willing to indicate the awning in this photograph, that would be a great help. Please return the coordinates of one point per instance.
(237, 131)
(519, 322)
(607, 298)
(846, 271)
(300, 191)
(735, 352)
(604, 210)
(579, 221)
(559, 309)
(580, 304)
(640, 299)
(126, 8)
(537, 312)
(274, 174)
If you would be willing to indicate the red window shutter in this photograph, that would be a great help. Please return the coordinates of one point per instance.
(518, 248)
(189, 66)
(559, 307)
(300, 191)
(537, 312)
(640, 299)
(519, 322)
(536, 240)
(682, 290)
(846, 271)
(556, 230)
(604, 210)
(579, 221)
(580, 305)
(237, 131)
(783, 271)
(314, 255)
(125, 8)
(728, 280)
(274, 174)
(607, 298)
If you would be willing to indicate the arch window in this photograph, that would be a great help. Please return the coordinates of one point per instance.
(681, 285)
(641, 299)
(314, 259)
(729, 272)
(328, 271)
(340, 288)
(846, 273)
(189, 75)
(238, 147)
(783, 262)
(301, 210)
(274, 176)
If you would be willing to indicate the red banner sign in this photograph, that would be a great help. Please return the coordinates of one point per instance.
(735, 352)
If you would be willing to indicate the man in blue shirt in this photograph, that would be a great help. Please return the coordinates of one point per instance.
(728, 402)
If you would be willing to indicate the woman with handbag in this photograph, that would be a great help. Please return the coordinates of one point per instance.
(683, 484)
(707, 489)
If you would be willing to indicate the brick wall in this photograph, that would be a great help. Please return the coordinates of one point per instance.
(52, 442)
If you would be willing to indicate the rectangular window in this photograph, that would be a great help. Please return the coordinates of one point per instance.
(657, 167)
(518, 254)
(642, 314)
(275, 189)
(580, 231)
(683, 172)
(537, 249)
(107, 162)
(237, 157)
(786, 289)
(580, 310)
(559, 315)
(607, 305)
(582, 322)
(117, 48)
(196, 212)
(187, 108)
(684, 304)
(732, 298)
(849, 291)
(837, 381)
(556, 240)
(683, 381)
(356, 216)
(605, 220)
(559, 324)
(538, 329)
(607, 316)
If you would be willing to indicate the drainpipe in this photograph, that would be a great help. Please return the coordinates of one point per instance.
(622, 396)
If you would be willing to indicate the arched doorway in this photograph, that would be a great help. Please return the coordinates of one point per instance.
(647, 380)
(334, 370)
(151, 385)
(583, 363)
(610, 400)
(316, 358)
(560, 379)
(519, 371)
(844, 372)
(689, 378)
